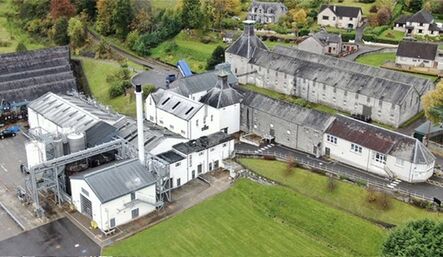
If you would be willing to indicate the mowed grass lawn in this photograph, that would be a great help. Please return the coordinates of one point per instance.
(376, 59)
(96, 72)
(347, 196)
(11, 35)
(186, 47)
(256, 220)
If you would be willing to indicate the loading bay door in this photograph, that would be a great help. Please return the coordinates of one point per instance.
(86, 205)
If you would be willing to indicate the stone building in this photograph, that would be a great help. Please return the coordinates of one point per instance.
(345, 17)
(266, 12)
(385, 96)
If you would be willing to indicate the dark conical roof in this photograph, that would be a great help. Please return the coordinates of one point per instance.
(246, 45)
(222, 94)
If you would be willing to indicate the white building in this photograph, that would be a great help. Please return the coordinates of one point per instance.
(345, 17)
(217, 109)
(378, 150)
(419, 54)
(421, 23)
(114, 195)
(191, 159)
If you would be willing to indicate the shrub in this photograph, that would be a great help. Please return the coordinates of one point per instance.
(132, 38)
(382, 200)
(229, 23)
(4, 43)
(116, 89)
(21, 47)
(373, 9)
(332, 184)
(303, 32)
(148, 89)
(371, 195)
(348, 36)
(206, 39)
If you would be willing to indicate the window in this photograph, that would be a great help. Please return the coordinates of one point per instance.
(171, 126)
(196, 123)
(356, 96)
(190, 160)
(331, 139)
(134, 213)
(193, 174)
(177, 164)
(212, 149)
(210, 166)
(325, 17)
(224, 145)
(183, 132)
(85, 192)
(212, 117)
(356, 148)
(161, 122)
(199, 169)
(112, 223)
(381, 158)
(151, 118)
(178, 182)
(216, 164)
(200, 153)
(132, 196)
(380, 103)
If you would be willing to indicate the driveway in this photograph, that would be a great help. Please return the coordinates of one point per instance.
(156, 77)
(58, 238)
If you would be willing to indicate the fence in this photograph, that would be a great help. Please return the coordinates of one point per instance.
(325, 168)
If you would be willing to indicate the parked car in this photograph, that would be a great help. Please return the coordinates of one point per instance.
(170, 78)
(9, 132)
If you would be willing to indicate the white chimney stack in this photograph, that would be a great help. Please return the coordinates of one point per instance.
(140, 136)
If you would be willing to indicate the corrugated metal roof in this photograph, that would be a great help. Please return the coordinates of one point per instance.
(176, 104)
(71, 112)
(117, 179)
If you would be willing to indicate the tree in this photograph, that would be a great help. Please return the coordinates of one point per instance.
(122, 17)
(148, 89)
(299, 16)
(76, 32)
(104, 16)
(87, 6)
(142, 22)
(383, 16)
(433, 104)
(218, 56)
(191, 14)
(59, 32)
(414, 5)
(60, 8)
(21, 47)
(224, 8)
(419, 238)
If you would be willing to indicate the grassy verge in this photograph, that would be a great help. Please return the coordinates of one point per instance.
(96, 72)
(186, 47)
(347, 196)
(391, 34)
(11, 34)
(256, 220)
(376, 59)
(289, 99)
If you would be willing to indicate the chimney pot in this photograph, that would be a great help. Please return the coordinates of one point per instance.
(138, 88)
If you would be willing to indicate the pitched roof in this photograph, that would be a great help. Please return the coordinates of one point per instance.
(381, 140)
(343, 11)
(100, 133)
(267, 5)
(170, 157)
(402, 19)
(421, 50)
(289, 112)
(222, 94)
(202, 143)
(421, 16)
(29, 75)
(202, 82)
(247, 43)
(391, 86)
(117, 179)
(324, 38)
(176, 104)
(72, 112)
(435, 27)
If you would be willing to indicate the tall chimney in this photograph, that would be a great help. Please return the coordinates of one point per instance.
(140, 136)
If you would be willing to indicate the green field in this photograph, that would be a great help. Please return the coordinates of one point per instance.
(256, 220)
(11, 35)
(96, 72)
(188, 48)
(347, 196)
(271, 44)
(376, 59)
(392, 34)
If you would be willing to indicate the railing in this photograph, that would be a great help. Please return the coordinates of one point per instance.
(319, 165)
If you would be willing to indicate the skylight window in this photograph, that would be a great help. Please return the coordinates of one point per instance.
(190, 109)
(165, 101)
(173, 107)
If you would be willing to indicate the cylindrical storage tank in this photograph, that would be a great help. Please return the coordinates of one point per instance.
(76, 142)
(58, 147)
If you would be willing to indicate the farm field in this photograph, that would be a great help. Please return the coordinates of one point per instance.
(96, 72)
(349, 197)
(256, 220)
(186, 47)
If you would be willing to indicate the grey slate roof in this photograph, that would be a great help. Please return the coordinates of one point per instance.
(421, 16)
(324, 38)
(202, 143)
(374, 82)
(202, 82)
(421, 50)
(100, 133)
(381, 140)
(268, 5)
(434, 27)
(343, 11)
(176, 104)
(29, 75)
(222, 94)
(170, 157)
(72, 112)
(402, 19)
(288, 112)
(248, 43)
(117, 179)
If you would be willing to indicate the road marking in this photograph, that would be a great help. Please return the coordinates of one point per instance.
(3, 167)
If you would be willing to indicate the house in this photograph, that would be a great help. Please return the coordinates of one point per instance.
(216, 110)
(419, 54)
(323, 42)
(378, 150)
(345, 17)
(114, 194)
(266, 12)
(421, 23)
(188, 160)
(385, 96)
(284, 123)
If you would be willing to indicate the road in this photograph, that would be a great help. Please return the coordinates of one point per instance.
(58, 238)
(8, 228)
(422, 189)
